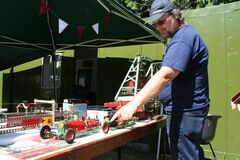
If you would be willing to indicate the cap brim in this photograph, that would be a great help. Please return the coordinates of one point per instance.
(155, 17)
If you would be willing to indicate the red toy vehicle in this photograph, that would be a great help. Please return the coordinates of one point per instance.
(68, 129)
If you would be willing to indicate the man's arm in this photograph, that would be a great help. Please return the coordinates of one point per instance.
(153, 87)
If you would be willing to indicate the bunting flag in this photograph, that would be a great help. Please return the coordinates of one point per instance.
(107, 18)
(96, 27)
(43, 8)
(80, 30)
(61, 25)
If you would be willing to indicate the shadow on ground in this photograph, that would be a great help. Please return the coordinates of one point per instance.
(134, 151)
(131, 151)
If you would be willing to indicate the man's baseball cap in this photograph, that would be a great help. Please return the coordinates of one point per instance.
(158, 8)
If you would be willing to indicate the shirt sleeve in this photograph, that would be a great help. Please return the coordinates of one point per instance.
(177, 56)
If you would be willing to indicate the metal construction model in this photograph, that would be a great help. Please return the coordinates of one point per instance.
(141, 70)
(35, 114)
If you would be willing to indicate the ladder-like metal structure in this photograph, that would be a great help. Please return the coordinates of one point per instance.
(153, 68)
(131, 83)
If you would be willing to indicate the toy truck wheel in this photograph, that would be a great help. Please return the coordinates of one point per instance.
(45, 131)
(105, 127)
(69, 135)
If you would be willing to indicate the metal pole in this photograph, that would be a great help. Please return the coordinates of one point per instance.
(119, 153)
(54, 86)
(10, 107)
(159, 136)
(54, 77)
(160, 130)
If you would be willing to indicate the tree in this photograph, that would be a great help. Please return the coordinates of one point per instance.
(142, 7)
(139, 7)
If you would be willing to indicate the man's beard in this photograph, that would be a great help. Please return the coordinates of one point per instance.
(168, 35)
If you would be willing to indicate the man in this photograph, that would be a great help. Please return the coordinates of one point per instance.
(182, 83)
(235, 106)
(235, 101)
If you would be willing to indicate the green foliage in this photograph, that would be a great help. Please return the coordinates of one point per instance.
(142, 7)
(193, 4)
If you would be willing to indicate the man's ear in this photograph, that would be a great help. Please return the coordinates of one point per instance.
(178, 19)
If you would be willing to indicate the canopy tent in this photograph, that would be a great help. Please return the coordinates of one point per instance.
(33, 28)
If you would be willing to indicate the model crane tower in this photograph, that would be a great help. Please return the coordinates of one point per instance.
(137, 76)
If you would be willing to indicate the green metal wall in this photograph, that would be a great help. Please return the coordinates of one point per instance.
(219, 26)
(154, 51)
(27, 82)
(20, 89)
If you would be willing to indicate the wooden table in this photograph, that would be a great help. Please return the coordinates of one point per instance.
(95, 148)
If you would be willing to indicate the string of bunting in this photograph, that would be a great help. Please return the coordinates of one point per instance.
(44, 8)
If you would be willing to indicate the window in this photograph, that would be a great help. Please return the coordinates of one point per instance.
(47, 75)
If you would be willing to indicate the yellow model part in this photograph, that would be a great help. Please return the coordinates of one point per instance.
(47, 120)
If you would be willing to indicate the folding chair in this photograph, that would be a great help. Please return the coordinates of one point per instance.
(209, 130)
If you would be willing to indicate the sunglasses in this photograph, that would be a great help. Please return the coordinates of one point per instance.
(160, 22)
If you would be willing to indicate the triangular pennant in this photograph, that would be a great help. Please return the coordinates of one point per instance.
(107, 18)
(43, 8)
(80, 30)
(96, 27)
(61, 25)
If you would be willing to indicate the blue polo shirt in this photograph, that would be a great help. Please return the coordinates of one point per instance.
(187, 53)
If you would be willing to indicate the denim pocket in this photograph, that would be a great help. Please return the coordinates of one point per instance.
(193, 122)
(193, 126)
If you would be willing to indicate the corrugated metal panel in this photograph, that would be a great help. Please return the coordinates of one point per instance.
(219, 27)
(232, 25)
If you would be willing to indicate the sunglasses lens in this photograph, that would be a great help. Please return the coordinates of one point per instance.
(158, 23)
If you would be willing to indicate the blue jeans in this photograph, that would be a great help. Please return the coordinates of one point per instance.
(184, 131)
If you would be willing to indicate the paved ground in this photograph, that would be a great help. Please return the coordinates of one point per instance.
(126, 155)
(132, 151)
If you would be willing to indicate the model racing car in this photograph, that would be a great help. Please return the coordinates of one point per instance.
(69, 129)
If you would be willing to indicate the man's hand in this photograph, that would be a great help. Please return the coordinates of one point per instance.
(235, 105)
(153, 87)
(125, 113)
